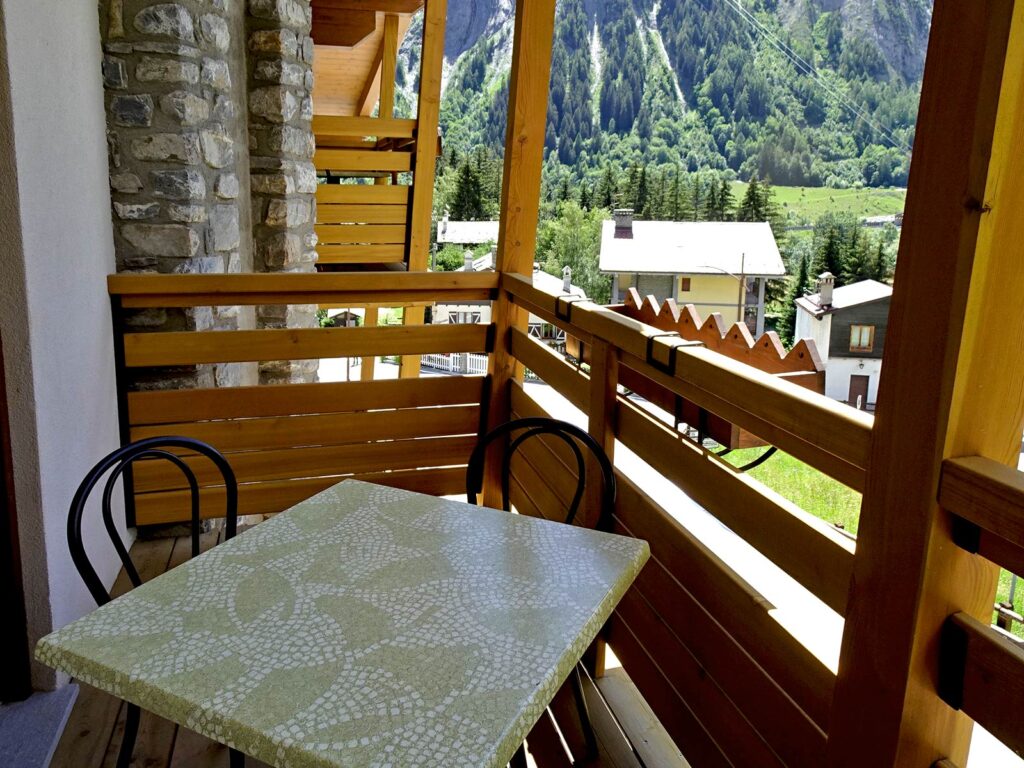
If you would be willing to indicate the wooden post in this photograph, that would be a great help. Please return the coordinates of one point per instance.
(520, 199)
(951, 385)
(426, 158)
(369, 364)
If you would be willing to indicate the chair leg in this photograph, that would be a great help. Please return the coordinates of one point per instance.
(131, 731)
(519, 758)
(236, 759)
(584, 714)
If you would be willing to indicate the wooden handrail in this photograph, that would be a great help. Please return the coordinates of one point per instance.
(331, 126)
(356, 289)
(828, 435)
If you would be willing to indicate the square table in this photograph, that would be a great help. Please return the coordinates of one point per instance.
(366, 626)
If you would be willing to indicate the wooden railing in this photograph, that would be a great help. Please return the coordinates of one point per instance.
(287, 442)
(727, 680)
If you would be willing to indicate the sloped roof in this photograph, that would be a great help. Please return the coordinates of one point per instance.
(852, 295)
(691, 248)
(467, 232)
(541, 279)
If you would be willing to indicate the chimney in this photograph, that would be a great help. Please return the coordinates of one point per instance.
(467, 261)
(826, 282)
(623, 220)
(567, 280)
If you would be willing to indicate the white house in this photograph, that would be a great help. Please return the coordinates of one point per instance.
(718, 266)
(466, 232)
(848, 325)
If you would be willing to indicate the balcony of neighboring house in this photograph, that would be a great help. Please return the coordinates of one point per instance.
(756, 634)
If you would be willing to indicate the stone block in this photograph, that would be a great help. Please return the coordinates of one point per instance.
(273, 104)
(288, 213)
(224, 230)
(132, 111)
(288, 12)
(306, 110)
(308, 49)
(126, 183)
(287, 140)
(113, 149)
(185, 107)
(213, 30)
(272, 183)
(280, 71)
(281, 250)
(166, 20)
(281, 42)
(187, 184)
(305, 178)
(136, 211)
(187, 214)
(218, 147)
(224, 108)
(169, 240)
(227, 186)
(167, 148)
(216, 74)
(154, 70)
(115, 73)
(167, 49)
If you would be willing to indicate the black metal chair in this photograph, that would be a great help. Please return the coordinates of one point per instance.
(117, 463)
(571, 435)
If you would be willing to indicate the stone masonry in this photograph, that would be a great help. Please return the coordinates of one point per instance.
(210, 145)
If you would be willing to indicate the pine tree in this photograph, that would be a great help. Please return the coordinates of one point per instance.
(640, 202)
(467, 203)
(605, 193)
(800, 286)
(752, 206)
(585, 197)
(726, 200)
(880, 263)
(675, 211)
(696, 199)
(564, 195)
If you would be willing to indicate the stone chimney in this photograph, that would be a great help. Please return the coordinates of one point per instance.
(623, 220)
(467, 261)
(567, 280)
(826, 282)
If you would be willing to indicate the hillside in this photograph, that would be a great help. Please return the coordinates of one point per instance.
(803, 92)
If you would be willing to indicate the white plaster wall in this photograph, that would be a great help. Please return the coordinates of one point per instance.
(837, 376)
(818, 330)
(55, 316)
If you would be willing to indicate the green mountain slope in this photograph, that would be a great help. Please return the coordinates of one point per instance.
(803, 92)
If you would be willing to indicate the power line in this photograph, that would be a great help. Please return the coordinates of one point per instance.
(809, 69)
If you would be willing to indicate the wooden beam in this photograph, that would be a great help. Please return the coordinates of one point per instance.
(383, 6)
(369, 363)
(371, 88)
(529, 83)
(333, 126)
(954, 389)
(389, 63)
(341, 28)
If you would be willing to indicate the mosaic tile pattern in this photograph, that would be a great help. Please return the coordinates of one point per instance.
(367, 626)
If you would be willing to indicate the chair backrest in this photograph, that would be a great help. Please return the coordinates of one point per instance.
(119, 461)
(568, 433)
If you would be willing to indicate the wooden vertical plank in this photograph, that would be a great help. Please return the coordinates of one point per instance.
(369, 364)
(945, 384)
(389, 62)
(520, 198)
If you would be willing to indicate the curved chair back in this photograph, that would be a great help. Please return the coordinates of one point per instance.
(568, 433)
(117, 462)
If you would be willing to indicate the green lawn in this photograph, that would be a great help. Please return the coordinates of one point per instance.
(804, 205)
(834, 503)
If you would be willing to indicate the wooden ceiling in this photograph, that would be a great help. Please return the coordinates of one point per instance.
(347, 65)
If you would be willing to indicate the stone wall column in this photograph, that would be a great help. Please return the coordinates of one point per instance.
(174, 77)
(282, 176)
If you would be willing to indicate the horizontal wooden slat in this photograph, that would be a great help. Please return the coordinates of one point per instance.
(368, 234)
(323, 429)
(828, 435)
(741, 611)
(808, 549)
(709, 703)
(393, 128)
(341, 160)
(361, 214)
(982, 673)
(362, 194)
(552, 368)
(167, 407)
(196, 347)
(362, 254)
(987, 493)
(278, 495)
(354, 289)
(675, 714)
(254, 466)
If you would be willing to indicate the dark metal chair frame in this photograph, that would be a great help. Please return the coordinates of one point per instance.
(564, 431)
(117, 463)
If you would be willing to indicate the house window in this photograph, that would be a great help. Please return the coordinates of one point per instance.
(862, 338)
(684, 285)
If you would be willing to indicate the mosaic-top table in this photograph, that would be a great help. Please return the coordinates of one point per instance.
(366, 626)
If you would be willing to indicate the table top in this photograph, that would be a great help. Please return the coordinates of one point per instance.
(366, 626)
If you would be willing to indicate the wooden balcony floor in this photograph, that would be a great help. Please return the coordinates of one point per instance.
(92, 736)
